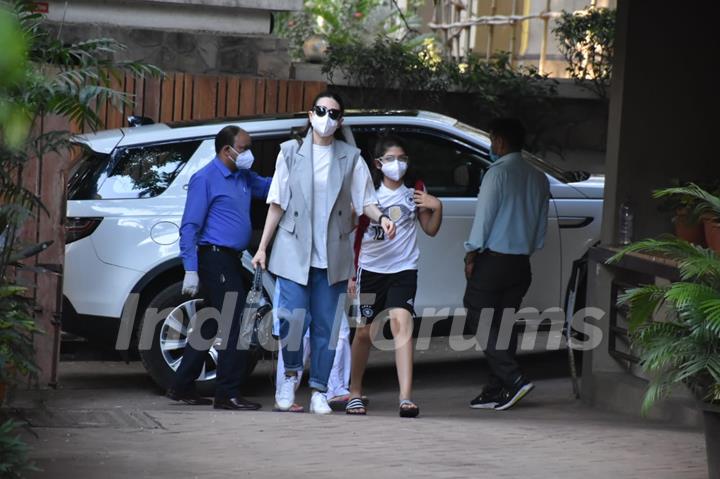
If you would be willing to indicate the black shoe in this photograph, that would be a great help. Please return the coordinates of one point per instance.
(509, 398)
(192, 398)
(486, 400)
(236, 404)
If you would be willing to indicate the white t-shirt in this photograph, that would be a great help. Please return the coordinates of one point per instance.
(382, 255)
(362, 193)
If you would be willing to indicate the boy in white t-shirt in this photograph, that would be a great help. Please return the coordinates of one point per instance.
(387, 268)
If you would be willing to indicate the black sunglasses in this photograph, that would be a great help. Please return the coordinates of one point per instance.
(321, 110)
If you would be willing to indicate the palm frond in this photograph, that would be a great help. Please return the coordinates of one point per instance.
(684, 294)
(643, 303)
(657, 390)
(694, 262)
(711, 309)
(668, 246)
(140, 69)
(711, 201)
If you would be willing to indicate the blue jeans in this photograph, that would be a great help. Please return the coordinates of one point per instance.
(314, 306)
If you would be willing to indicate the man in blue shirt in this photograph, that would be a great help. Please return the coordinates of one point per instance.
(215, 229)
(510, 224)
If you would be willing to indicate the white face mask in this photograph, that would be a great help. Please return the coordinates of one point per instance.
(244, 160)
(394, 169)
(323, 125)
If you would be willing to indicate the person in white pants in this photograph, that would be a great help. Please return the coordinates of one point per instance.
(338, 391)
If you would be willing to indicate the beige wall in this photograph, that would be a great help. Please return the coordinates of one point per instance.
(524, 39)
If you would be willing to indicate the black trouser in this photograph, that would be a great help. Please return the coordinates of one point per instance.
(219, 273)
(498, 282)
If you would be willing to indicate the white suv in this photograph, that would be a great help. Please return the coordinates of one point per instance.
(127, 194)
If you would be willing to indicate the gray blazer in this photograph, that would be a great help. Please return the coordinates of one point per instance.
(292, 248)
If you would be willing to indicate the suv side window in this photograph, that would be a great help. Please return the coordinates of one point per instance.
(144, 171)
(448, 166)
(265, 150)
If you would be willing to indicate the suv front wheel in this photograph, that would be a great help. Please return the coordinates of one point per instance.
(170, 339)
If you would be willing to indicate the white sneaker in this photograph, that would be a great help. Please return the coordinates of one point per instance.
(319, 403)
(285, 393)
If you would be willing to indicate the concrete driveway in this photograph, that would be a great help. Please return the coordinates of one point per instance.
(108, 421)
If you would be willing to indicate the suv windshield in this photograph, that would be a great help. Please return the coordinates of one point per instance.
(130, 173)
(559, 173)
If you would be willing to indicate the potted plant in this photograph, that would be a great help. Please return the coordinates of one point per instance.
(682, 207)
(706, 208)
(676, 330)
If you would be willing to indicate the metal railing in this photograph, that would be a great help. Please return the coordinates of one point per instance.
(454, 21)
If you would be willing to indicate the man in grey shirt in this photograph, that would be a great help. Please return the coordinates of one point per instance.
(509, 225)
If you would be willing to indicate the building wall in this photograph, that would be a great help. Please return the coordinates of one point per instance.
(191, 36)
(225, 16)
(662, 120)
(193, 52)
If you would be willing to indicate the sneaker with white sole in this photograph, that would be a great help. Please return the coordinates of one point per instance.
(486, 400)
(319, 403)
(285, 393)
(509, 398)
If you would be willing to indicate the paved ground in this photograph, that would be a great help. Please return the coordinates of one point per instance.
(108, 421)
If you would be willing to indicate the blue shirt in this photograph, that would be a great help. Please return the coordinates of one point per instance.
(512, 208)
(217, 209)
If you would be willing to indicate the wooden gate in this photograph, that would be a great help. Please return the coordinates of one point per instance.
(181, 96)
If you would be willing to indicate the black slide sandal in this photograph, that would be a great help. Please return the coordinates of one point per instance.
(356, 407)
(408, 408)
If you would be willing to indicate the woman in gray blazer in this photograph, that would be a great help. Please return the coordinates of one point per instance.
(318, 183)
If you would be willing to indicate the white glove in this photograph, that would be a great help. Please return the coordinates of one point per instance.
(191, 283)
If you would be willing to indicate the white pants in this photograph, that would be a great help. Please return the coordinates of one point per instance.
(340, 373)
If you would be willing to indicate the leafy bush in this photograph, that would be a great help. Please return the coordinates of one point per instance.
(388, 64)
(13, 452)
(345, 22)
(498, 84)
(498, 88)
(17, 326)
(587, 41)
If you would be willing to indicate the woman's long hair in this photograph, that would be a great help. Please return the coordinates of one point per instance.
(383, 144)
(300, 133)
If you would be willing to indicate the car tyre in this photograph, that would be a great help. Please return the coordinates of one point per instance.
(157, 359)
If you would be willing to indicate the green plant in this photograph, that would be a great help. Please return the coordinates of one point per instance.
(48, 77)
(13, 452)
(676, 327)
(17, 327)
(699, 199)
(387, 63)
(345, 22)
(499, 86)
(587, 41)
(677, 203)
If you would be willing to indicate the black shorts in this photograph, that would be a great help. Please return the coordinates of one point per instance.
(392, 290)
